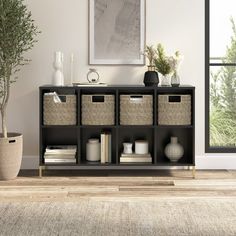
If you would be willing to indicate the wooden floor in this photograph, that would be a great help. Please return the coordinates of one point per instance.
(116, 185)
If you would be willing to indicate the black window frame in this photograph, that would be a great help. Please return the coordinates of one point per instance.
(208, 148)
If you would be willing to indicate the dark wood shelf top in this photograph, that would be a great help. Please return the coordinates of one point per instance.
(120, 86)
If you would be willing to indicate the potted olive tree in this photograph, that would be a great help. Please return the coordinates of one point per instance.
(17, 36)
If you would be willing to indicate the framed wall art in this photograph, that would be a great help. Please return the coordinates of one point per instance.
(116, 32)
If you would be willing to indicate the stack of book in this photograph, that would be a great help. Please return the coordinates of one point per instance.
(60, 154)
(106, 148)
(135, 158)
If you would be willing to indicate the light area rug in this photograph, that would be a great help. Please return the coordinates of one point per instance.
(132, 217)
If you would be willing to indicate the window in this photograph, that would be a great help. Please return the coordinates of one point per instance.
(220, 31)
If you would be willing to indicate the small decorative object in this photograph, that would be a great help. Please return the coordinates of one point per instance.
(175, 62)
(141, 147)
(71, 68)
(128, 148)
(93, 76)
(151, 76)
(93, 150)
(18, 36)
(58, 77)
(163, 66)
(174, 151)
(167, 66)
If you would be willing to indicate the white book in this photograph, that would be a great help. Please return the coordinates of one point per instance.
(109, 149)
(127, 160)
(60, 160)
(134, 155)
(103, 148)
(59, 156)
(135, 160)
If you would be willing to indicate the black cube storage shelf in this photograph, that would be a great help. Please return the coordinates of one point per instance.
(158, 136)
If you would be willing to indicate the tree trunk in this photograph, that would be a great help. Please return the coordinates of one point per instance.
(4, 104)
(4, 125)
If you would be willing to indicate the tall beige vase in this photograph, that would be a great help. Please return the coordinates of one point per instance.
(11, 150)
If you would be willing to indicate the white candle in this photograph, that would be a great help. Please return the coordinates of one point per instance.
(71, 68)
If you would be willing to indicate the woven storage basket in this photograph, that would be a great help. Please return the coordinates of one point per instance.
(63, 113)
(98, 109)
(174, 109)
(136, 109)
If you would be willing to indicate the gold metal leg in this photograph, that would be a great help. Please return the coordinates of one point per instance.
(41, 168)
(194, 172)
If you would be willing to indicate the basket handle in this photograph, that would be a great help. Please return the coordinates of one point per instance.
(98, 98)
(12, 141)
(176, 99)
(63, 98)
(136, 98)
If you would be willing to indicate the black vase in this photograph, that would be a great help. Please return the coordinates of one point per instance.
(151, 77)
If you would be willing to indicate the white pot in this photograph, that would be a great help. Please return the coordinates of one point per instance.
(141, 147)
(11, 150)
(174, 151)
(93, 150)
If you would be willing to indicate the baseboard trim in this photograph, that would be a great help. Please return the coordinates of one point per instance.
(205, 162)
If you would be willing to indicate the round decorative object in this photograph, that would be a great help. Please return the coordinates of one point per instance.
(165, 80)
(93, 76)
(174, 151)
(151, 77)
(93, 150)
(141, 147)
(128, 148)
(175, 80)
(11, 150)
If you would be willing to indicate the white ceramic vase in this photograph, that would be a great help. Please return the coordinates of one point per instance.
(58, 76)
(93, 150)
(174, 151)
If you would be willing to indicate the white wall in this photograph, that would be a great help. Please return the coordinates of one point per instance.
(178, 24)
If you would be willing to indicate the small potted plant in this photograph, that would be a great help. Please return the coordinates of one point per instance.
(163, 66)
(17, 36)
(151, 76)
(175, 62)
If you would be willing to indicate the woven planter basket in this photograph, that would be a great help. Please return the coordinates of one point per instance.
(63, 113)
(98, 109)
(10, 156)
(136, 109)
(174, 109)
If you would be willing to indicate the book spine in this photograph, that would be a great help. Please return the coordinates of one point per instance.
(103, 152)
(109, 149)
